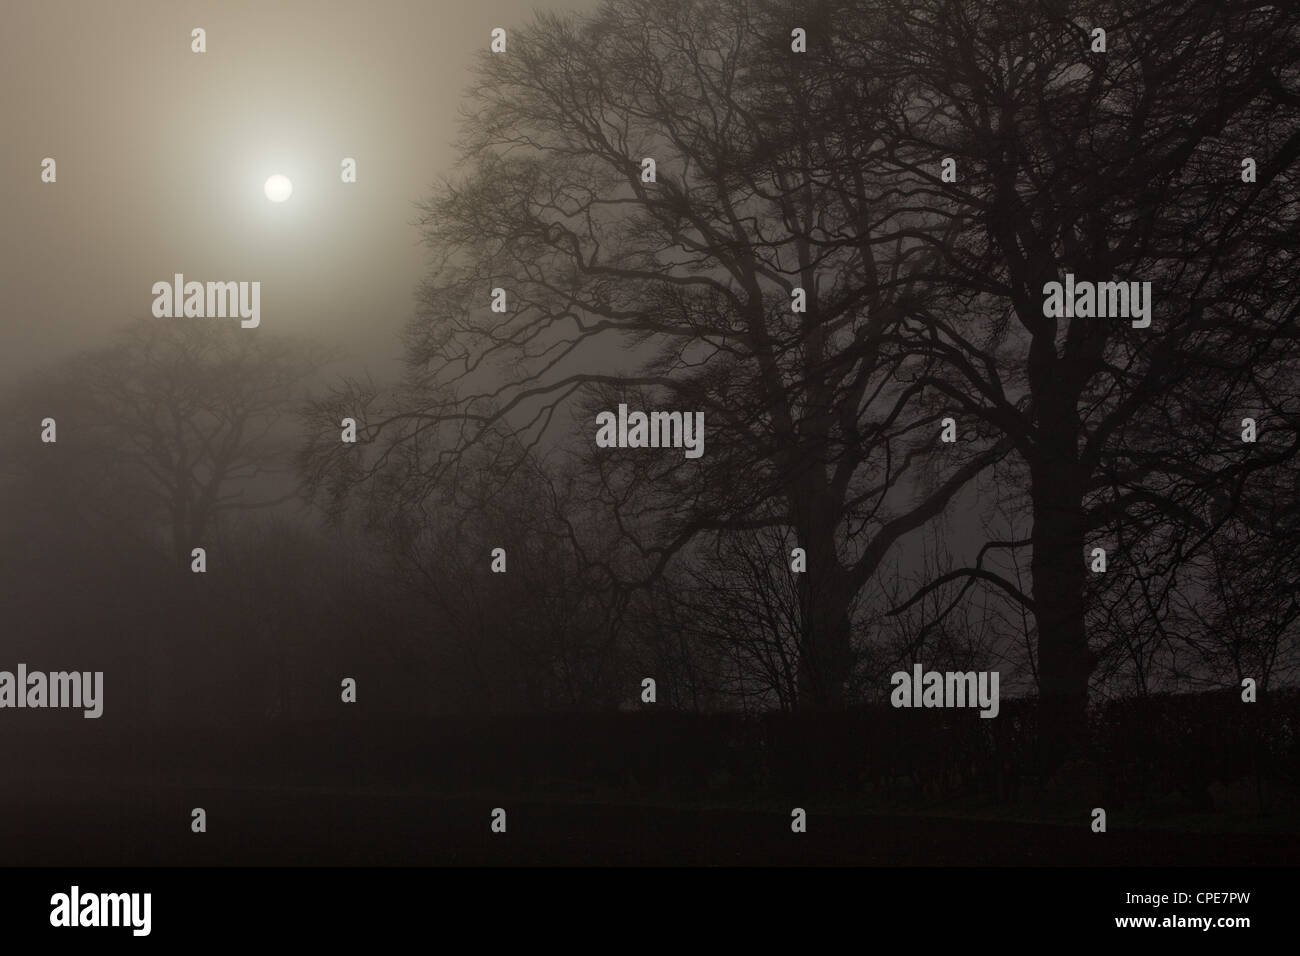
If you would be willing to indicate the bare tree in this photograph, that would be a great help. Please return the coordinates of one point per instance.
(1122, 165)
(198, 412)
(679, 291)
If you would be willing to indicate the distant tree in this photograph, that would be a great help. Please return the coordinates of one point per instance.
(198, 413)
(159, 434)
(521, 609)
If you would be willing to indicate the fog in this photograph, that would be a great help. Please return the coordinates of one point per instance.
(161, 155)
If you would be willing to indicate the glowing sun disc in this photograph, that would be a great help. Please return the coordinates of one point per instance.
(278, 188)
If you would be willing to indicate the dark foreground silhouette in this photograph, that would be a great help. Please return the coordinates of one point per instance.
(266, 827)
(1189, 780)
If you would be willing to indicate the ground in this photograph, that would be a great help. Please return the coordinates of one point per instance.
(59, 823)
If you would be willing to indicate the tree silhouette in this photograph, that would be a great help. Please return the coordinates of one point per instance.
(1118, 165)
(196, 411)
(679, 292)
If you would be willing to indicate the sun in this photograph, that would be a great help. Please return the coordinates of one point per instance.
(278, 188)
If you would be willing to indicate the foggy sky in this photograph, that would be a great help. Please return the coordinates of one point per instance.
(162, 153)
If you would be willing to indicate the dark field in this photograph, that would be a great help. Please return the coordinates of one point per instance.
(144, 826)
(656, 788)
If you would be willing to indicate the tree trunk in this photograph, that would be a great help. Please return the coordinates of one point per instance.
(1059, 566)
(825, 661)
(825, 648)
